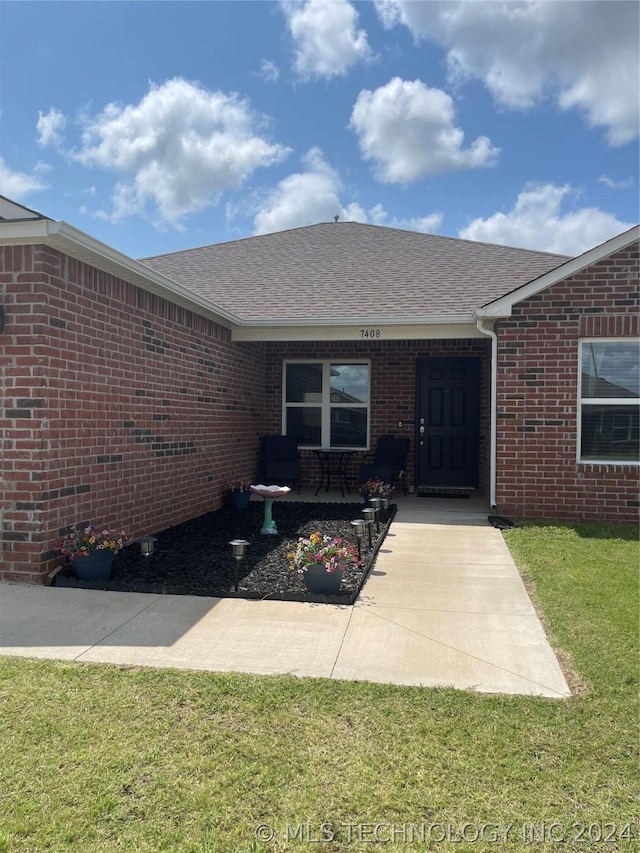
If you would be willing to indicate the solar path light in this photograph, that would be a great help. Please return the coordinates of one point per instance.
(239, 550)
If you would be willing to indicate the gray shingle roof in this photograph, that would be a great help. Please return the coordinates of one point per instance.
(348, 270)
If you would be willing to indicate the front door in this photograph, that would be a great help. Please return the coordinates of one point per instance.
(447, 421)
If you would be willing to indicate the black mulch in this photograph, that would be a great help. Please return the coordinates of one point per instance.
(194, 558)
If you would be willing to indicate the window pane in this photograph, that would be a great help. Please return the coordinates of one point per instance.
(349, 383)
(610, 369)
(305, 424)
(610, 432)
(348, 427)
(304, 383)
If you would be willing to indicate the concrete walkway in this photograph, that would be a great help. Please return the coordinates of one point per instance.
(444, 606)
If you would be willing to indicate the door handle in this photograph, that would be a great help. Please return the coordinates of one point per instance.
(421, 430)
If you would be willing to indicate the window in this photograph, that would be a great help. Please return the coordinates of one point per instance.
(609, 400)
(326, 404)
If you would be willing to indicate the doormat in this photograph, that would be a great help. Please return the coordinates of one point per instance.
(463, 494)
(442, 495)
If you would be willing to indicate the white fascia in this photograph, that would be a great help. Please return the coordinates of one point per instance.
(415, 328)
(502, 307)
(83, 247)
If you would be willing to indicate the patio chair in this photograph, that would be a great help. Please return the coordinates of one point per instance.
(389, 461)
(280, 464)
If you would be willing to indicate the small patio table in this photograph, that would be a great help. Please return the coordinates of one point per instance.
(333, 461)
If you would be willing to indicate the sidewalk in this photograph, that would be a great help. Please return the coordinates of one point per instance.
(444, 606)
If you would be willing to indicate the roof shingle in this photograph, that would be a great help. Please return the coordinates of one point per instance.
(349, 270)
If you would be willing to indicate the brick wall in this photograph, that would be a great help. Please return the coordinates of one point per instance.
(537, 473)
(118, 407)
(393, 389)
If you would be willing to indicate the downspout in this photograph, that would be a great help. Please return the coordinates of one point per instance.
(494, 408)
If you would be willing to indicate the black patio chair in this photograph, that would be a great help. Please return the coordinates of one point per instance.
(280, 464)
(389, 461)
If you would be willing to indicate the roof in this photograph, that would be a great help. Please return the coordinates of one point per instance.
(324, 281)
(347, 270)
(12, 211)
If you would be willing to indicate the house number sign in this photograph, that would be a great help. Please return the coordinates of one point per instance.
(370, 333)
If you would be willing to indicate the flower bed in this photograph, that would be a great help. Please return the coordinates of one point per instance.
(194, 558)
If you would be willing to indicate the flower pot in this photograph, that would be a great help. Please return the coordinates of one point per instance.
(95, 566)
(240, 500)
(322, 582)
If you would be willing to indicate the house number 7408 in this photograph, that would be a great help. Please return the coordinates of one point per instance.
(370, 333)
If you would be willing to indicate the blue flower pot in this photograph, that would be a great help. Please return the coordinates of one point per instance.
(240, 500)
(95, 566)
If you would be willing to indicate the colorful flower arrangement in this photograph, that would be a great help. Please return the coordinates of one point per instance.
(239, 486)
(84, 541)
(333, 554)
(376, 488)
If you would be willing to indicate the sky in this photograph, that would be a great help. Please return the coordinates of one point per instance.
(161, 126)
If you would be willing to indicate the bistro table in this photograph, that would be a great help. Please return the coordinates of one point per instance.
(334, 461)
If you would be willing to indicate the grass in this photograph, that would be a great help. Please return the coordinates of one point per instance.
(104, 758)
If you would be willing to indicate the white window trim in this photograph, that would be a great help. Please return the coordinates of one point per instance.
(596, 401)
(326, 405)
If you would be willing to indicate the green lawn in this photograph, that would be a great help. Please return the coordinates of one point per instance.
(102, 758)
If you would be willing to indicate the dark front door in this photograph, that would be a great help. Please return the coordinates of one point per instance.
(447, 422)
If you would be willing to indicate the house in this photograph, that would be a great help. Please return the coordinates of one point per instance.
(134, 390)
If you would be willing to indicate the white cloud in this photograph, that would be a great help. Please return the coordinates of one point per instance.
(303, 198)
(616, 185)
(327, 42)
(536, 222)
(408, 130)
(583, 54)
(312, 196)
(182, 145)
(269, 71)
(50, 126)
(18, 185)
(425, 224)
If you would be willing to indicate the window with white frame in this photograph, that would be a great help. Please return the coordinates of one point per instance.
(326, 403)
(609, 400)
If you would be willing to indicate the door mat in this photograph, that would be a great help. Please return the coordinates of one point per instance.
(463, 494)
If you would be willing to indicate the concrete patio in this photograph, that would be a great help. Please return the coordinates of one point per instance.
(444, 606)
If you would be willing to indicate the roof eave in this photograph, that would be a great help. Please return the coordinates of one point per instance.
(503, 306)
(77, 244)
(364, 320)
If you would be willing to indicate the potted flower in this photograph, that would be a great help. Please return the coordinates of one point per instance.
(92, 550)
(322, 561)
(376, 488)
(240, 493)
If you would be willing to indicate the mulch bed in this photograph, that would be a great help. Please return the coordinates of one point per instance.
(194, 558)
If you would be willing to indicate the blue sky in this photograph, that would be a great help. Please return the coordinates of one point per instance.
(158, 126)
